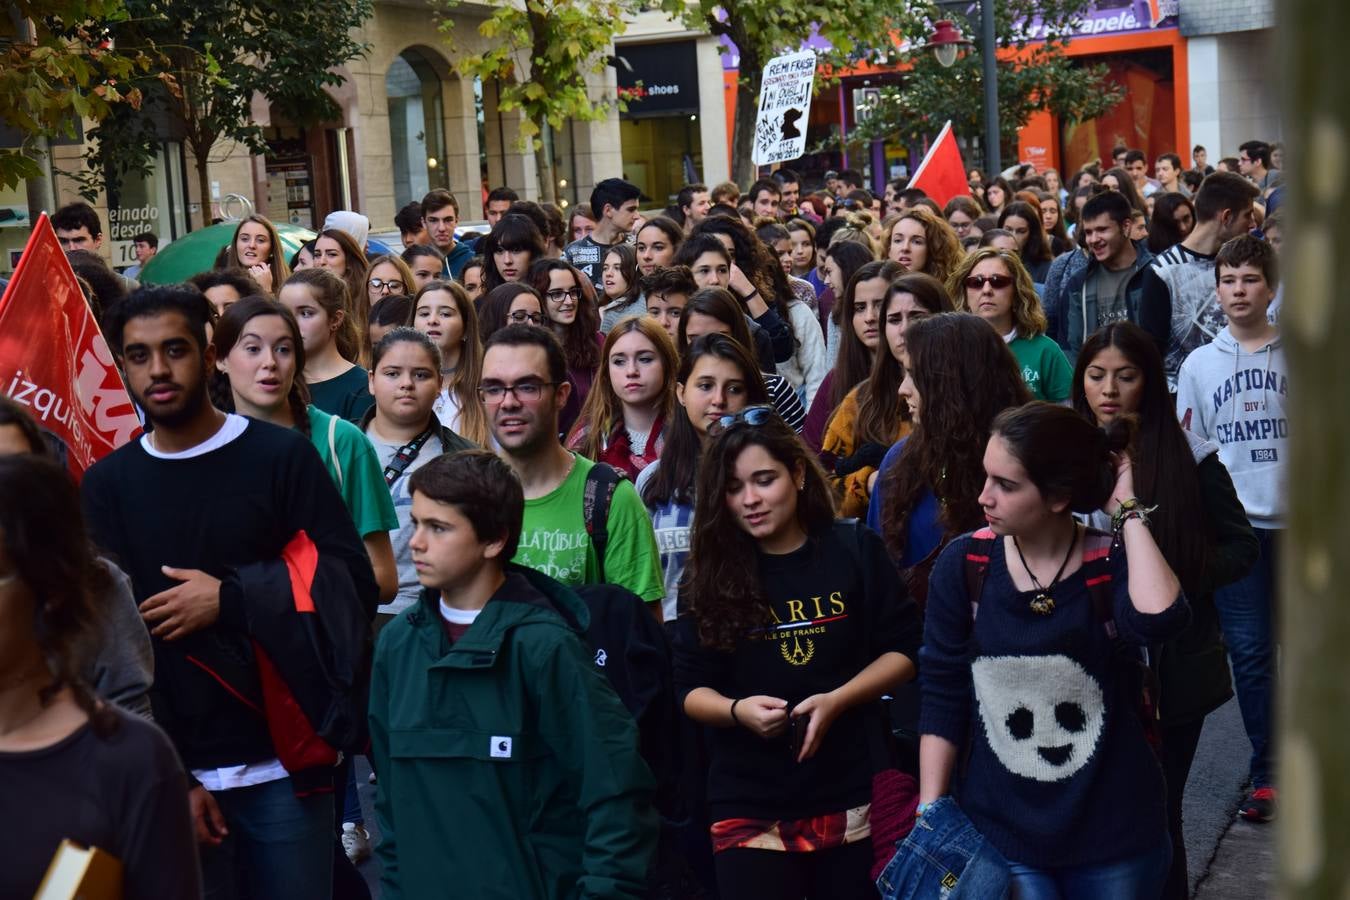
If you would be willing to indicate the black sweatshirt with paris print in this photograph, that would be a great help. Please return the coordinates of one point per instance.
(838, 603)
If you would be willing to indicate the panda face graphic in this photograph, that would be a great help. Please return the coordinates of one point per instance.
(1043, 715)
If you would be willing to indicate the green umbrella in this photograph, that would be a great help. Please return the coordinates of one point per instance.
(196, 252)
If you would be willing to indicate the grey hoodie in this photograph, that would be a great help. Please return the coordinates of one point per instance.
(1237, 399)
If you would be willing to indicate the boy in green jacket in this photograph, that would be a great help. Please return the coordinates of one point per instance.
(508, 767)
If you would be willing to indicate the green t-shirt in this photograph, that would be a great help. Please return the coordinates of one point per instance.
(1044, 366)
(347, 395)
(356, 472)
(554, 541)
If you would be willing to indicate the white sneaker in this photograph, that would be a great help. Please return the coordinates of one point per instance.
(355, 842)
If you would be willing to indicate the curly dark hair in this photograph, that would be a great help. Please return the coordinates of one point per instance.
(756, 260)
(578, 339)
(49, 552)
(721, 578)
(964, 377)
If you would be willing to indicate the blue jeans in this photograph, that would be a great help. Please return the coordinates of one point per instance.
(279, 845)
(944, 856)
(1247, 616)
(1137, 878)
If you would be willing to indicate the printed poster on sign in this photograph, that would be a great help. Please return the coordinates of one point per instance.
(784, 107)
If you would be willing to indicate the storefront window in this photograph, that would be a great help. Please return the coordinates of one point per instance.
(659, 133)
(151, 203)
(416, 127)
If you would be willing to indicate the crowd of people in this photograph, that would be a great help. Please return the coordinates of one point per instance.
(785, 543)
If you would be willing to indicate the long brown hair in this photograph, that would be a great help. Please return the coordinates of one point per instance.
(855, 360)
(578, 339)
(965, 376)
(463, 382)
(49, 551)
(728, 600)
(355, 277)
(1164, 467)
(603, 412)
(331, 292)
(880, 409)
(280, 271)
(226, 335)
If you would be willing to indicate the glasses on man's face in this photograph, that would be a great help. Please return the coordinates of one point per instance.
(997, 282)
(392, 285)
(558, 295)
(528, 391)
(754, 416)
(520, 317)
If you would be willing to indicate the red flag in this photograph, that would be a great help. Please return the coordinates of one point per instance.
(942, 174)
(54, 360)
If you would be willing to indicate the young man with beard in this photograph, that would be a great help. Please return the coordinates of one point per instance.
(523, 388)
(1178, 298)
(182, 509)
(1103, 285)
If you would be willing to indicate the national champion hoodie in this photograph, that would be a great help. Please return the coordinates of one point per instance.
(1237, 399)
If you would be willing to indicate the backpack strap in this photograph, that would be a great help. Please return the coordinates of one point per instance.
(408, 453)
(596, 498)
(332, 451)
(978, 549)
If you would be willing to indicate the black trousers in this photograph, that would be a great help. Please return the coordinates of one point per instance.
(1178, 752)
(842, 873)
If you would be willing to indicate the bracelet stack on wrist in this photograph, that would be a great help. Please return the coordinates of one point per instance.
(1132, 508)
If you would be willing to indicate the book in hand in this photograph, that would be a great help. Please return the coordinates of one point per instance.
(81, 873)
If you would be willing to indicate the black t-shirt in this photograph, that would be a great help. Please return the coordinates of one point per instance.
(125, 794)
(838, 604)
(239, 503)
(588, 255)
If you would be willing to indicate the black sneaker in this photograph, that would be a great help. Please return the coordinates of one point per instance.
(1259, 805)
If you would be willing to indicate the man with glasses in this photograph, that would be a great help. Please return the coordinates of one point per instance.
(523, 388)
(440, 218)
(1254, 162)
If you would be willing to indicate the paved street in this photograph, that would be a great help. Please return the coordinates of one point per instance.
(1228, 860)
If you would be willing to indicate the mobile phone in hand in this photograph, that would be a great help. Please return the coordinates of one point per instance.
(797, 733)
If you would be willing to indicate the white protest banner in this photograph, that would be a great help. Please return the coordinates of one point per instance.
(784, 105)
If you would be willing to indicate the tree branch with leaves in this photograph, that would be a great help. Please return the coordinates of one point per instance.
(539, 56)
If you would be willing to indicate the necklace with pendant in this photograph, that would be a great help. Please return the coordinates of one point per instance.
(1043, 604)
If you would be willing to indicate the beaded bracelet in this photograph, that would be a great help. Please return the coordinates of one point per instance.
(1132, 508)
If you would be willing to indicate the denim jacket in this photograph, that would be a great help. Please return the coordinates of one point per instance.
(944, 858)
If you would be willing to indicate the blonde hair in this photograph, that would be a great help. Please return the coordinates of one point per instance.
(405, 275)
(603, 412)
(463, 381)
(856, 231)
(330, 292)
(1028, 316)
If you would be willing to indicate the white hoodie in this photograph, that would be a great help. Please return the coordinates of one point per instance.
(1237, 399)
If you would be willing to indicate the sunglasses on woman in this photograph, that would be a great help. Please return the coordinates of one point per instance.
(997, 282)
(754, 416)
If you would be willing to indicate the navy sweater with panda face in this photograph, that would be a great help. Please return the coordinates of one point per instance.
(1059, 771)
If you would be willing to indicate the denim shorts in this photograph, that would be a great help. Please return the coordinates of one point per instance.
(944, 857)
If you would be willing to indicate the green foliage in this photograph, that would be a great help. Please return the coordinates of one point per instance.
(762, 29)
(217, 55)
(1031, 76)
(539, 55)
(65, 67)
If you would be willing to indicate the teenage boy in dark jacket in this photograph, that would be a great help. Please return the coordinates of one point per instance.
(508, 767)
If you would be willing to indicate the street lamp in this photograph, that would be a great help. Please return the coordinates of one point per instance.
(946, 41)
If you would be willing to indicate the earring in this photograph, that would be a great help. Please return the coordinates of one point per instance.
(802, 486)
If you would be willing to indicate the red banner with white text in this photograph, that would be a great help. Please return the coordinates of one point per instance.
(54, 360)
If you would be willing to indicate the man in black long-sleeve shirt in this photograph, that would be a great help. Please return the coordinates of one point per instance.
(180, 509)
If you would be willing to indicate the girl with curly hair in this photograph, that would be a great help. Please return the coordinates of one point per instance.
(922, 241)
(993, 284)
(797, 625)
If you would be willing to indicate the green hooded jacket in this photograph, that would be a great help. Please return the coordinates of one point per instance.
(508, 767)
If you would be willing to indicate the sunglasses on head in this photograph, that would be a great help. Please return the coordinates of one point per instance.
(754, 416)
(997, 282)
